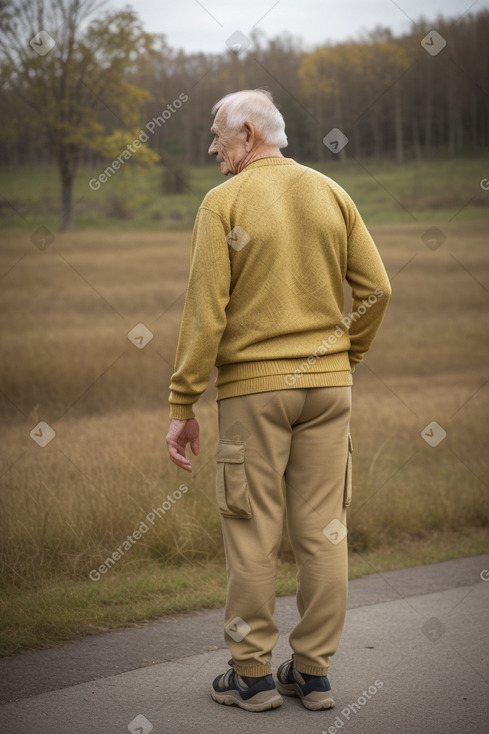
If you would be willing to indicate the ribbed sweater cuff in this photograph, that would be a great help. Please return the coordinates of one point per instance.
(181, 412)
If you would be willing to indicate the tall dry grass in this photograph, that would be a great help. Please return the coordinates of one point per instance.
(66, 360)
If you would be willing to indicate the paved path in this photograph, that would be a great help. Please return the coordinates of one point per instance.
(414, 658)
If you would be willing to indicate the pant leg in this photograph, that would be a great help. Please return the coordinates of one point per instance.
(254, 443)
(316, 518)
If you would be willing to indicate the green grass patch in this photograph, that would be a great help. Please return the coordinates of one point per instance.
(134, 199)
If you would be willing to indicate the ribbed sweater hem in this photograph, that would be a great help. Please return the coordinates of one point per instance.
(280, 382)
(245, 378)
(184, 411)
(336, 362)
(290, 370)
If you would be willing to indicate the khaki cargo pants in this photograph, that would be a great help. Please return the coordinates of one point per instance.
(285, 450)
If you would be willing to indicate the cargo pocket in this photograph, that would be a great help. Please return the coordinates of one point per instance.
(233, 498)
(348, 476)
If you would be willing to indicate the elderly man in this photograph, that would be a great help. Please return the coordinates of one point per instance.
(271, 249)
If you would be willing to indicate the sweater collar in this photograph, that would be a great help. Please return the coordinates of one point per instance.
(269, 161)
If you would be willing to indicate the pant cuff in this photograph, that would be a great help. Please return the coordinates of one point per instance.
(303, 666)
(253, 671)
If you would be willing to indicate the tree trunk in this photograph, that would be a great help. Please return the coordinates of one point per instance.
(451, 109)
(416, 141)
(67, 174)
(428, 118)
(342, 155)
(473, 123)
(376, 134)
(357, 141)
(319, 130)
(398, 124)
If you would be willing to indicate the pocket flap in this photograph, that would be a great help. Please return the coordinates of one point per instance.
(230, 451)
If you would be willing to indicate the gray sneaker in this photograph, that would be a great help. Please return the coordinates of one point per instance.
(314, 691)
(251, 694)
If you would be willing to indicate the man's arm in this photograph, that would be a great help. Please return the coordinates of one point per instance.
(204, 314)
(370, 286)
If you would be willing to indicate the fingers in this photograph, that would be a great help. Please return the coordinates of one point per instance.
(179, 434)
(182, 463)
(178, 458)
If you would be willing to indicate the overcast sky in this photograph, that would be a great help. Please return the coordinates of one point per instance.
(205, 25)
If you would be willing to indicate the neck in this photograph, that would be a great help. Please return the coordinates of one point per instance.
(263, 151)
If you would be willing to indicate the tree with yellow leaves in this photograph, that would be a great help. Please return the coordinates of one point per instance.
(347, 81)
(74, 73)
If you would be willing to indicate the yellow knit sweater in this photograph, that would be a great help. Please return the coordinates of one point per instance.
(271, 249)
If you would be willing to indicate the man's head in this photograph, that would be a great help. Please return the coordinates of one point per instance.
(247, 126)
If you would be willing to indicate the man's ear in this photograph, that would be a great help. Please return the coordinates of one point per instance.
(250, 135)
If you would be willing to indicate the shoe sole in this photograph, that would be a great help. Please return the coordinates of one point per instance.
(294, 689)
(261, 702)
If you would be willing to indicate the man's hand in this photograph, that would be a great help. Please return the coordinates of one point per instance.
(180, 433)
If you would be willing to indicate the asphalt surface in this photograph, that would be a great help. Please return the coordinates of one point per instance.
(414, 657)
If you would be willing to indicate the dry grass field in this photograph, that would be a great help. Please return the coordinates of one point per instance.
(67, 360)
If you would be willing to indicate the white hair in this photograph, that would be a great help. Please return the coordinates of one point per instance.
(256, 106)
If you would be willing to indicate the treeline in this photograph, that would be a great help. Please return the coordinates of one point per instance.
(388, 95)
